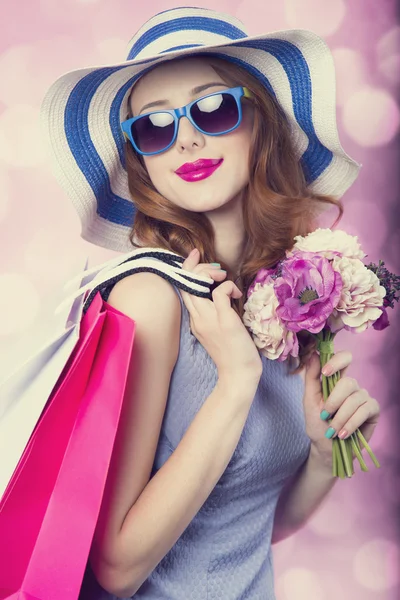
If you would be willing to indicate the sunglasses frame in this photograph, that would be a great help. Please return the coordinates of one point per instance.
(184, 111)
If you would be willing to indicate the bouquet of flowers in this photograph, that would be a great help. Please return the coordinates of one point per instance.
(321, 286)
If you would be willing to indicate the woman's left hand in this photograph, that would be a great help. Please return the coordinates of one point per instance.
(349, 406)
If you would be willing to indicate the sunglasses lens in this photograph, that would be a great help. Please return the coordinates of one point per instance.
(216, 114)
(153, 132)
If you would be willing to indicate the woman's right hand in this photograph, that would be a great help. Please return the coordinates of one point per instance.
(219, 328)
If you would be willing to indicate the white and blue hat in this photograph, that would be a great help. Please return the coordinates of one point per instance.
(83, 109)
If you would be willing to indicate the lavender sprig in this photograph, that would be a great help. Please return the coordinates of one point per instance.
(389, 281)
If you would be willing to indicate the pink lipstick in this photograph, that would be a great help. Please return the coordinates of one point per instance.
(201, 169)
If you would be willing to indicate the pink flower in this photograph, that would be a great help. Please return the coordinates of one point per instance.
(263, 276)
(275, 341)
(383, 321)
(307, 291)
(361, 296)
(328, 243)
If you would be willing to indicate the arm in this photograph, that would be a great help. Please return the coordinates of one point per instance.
(140, 520)
(302, 496)
(184, 483)
(351, 408)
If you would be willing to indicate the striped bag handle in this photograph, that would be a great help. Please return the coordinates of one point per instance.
(162, 262)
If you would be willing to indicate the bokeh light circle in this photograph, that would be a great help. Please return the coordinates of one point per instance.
(112, 50)
(389, 43)
(332, 520)
(4, 194)
(350, 73)
(372, 225)
(273, 13)
(26, 75)
(21, 138)
(45, 253)
(324, 18)
(375, 565)
(19, 303)
(296, 580)
(371, 117)
(390, 68)
(388, 55)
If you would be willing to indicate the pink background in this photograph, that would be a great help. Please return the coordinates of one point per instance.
(349, 549)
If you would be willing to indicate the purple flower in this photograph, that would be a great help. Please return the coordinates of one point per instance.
(262, 277)
(307, 291)
(382, 322)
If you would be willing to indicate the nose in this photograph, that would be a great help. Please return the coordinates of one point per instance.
(188, 137)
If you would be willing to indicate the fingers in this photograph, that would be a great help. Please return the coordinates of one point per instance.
(192, 264)
(358, 409)
(222, 296)
(192, 260)
(342, 390)
(202, 310)
(193, 303)
(339, 362)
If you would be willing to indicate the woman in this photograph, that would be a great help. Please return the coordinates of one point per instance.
(219, 452)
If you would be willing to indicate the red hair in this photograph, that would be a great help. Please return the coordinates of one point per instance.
(277, 203)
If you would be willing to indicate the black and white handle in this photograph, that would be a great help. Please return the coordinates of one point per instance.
(162, 262)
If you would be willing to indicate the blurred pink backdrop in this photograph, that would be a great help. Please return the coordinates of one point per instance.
(349, 549)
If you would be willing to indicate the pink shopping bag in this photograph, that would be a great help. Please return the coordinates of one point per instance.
(49, 511)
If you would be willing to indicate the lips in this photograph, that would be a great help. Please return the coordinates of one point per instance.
(198, 165)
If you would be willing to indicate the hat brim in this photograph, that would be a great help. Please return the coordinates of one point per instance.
(82, 111)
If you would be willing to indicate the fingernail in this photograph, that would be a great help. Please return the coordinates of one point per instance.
(324, 415)
(215, 264)
(327, 371)
(330, 432)
(343, 434)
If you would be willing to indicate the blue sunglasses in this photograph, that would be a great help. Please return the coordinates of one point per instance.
(214, 114)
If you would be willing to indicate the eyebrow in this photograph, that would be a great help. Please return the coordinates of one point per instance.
(193, 92)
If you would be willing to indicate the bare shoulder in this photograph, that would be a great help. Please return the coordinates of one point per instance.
(147, 290)
(152, 303)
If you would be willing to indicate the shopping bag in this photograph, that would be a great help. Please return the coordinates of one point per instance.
(25, 392)
(50, 508)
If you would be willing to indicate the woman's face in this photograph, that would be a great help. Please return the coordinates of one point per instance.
(173, 83)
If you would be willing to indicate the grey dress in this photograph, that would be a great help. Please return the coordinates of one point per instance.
(225, 552)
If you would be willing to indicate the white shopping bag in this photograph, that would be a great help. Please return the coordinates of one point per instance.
(24, 393)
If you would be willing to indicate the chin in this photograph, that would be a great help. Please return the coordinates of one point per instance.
(208, 205)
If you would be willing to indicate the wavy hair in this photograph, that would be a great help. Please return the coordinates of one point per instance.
(277, 203)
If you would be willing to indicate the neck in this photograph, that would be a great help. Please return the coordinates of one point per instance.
(227, 223)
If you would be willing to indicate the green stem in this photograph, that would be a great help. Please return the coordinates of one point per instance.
(357, 452)
(348, 465)
(334, 462)
(355, 439)
(340, 465)
(331, 384)
(368, 449)
(325, 388)
(343, 451)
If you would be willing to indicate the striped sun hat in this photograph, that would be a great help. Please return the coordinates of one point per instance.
(82, 111)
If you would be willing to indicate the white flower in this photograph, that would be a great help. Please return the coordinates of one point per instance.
(361, 296)
(328, 243)
(269, 333)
